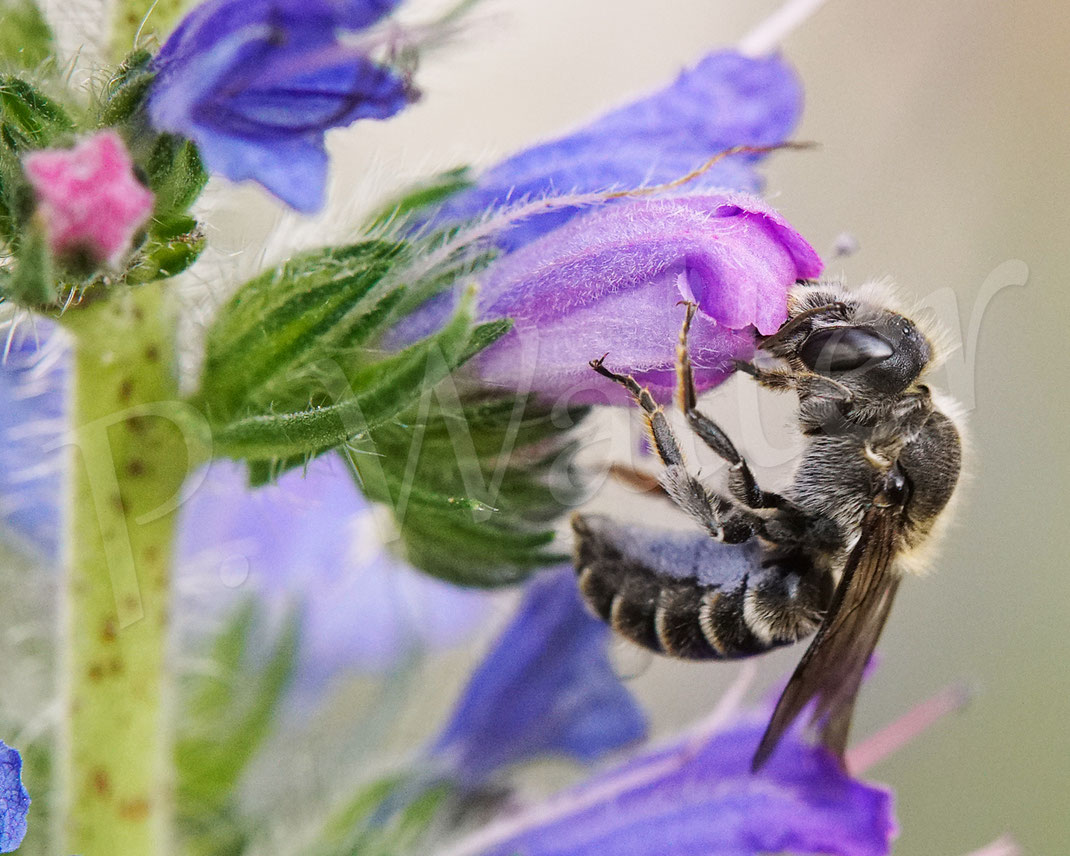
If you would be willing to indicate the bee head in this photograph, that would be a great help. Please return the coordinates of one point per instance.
(861, 343)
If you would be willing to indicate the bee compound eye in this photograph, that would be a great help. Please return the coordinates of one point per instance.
(842, 349)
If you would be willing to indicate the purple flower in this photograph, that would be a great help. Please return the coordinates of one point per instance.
(697, 795)
(257, 83)
(547, 688)
(611, 281)
(726, 100)
(581, 282)
(14, 801)
(309, 541)
(32, 381)
(312, 541)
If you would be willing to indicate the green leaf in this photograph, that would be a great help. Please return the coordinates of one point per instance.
(314, 308)
(25, 38)
(473, 483)
(175, 173)
(227, 715)
(172, 245)
(386, 817)
(34, 120)
(31, 282)
(422, 195)
(122, 97)
(370, 398)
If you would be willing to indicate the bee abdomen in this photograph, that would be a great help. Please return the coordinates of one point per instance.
(679, 619)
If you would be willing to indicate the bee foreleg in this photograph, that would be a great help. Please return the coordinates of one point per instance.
(660, 432)
(741, 482)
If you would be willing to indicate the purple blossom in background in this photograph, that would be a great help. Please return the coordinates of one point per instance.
(14, 801)
(32, 395)
(309, 541)
(726, 100)
(257, 83)
(698, 796)
(610, 281)
(547, 688)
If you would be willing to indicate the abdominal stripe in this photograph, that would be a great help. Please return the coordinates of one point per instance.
(676, 617)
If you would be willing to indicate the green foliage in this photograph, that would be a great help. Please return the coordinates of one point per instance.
(25, 38)
(34, 120)
(291, 370)
(171, 246)
(313, 307)
(369, 397)
(124, 94)
(422, 195)
(388, 817)
(175, 174)
(225, 718)
(29, 120)
(474, 482)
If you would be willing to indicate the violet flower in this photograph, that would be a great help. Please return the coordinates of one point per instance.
(14, 801)
(257, 83)
(726, 100)
(88, 198)
(32, 396)
(310, 541)
(610, 281)
(697, 795)
(547, 688)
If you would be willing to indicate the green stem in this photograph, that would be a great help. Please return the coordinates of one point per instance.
(128, 461)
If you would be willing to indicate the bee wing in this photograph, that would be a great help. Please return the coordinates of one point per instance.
(832, 667)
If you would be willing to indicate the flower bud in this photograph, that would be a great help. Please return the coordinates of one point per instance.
(88, 198)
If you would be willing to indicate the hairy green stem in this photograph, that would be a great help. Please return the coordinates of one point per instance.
(128, 459)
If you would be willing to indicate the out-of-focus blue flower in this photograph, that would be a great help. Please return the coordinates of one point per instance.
(32, 395)
(308, 541)
(257, 83)
(312, 541)
(726, 100)
(698, 795)
(547, 688)
(14, 801)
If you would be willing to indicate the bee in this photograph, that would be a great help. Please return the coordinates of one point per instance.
(880, 464)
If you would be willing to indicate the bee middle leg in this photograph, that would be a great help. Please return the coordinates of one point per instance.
(724, 520)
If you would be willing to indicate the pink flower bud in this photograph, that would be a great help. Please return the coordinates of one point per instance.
(88, 197)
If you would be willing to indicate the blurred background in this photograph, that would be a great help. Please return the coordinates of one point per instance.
(944, 134)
